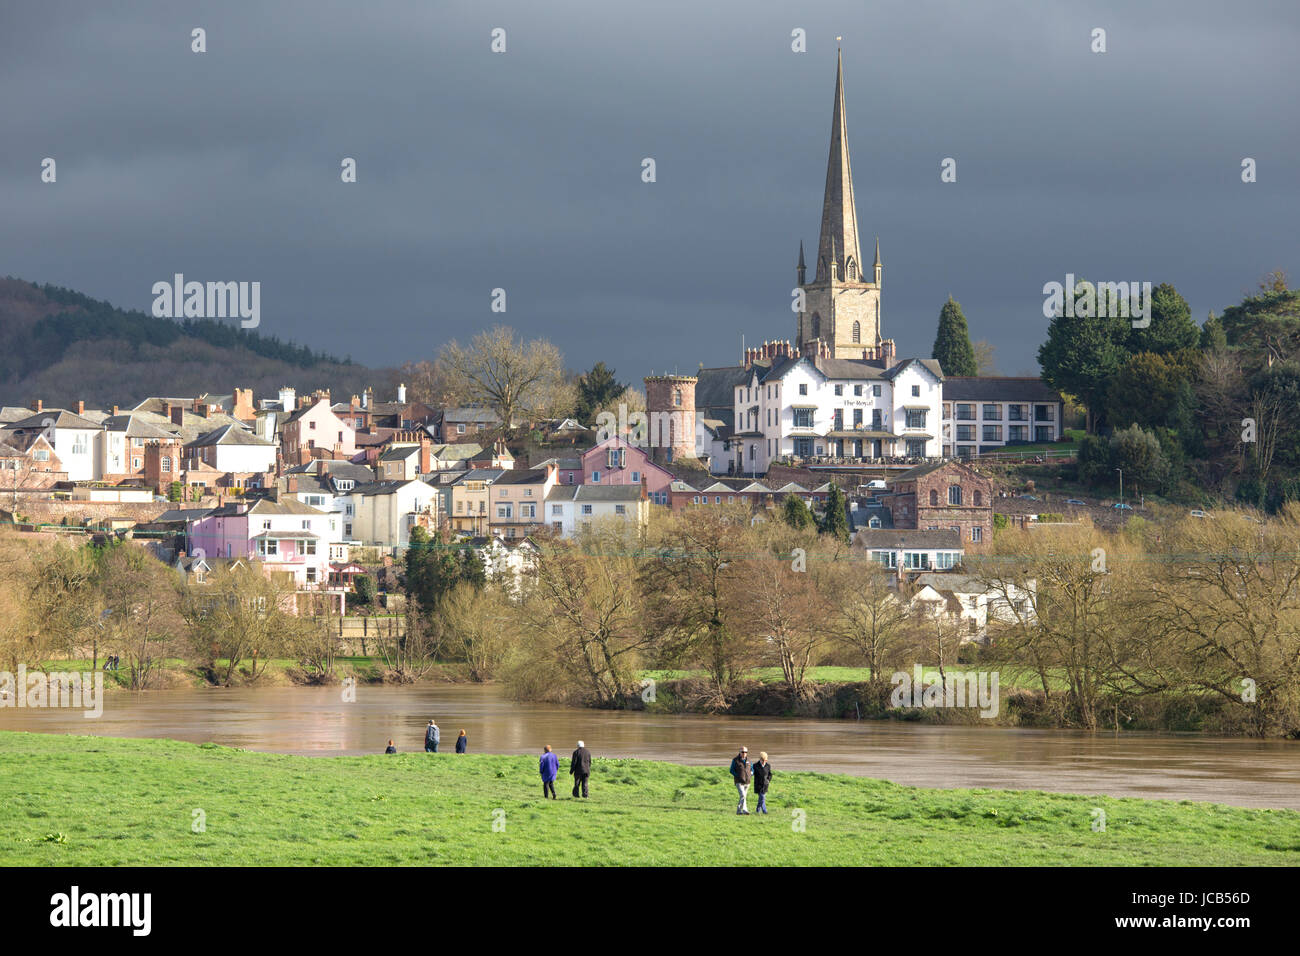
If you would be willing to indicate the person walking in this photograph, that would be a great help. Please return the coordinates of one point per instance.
(549, 767)
(462, 743)
(762, 772)
(391, 749)
(740, 774)
(431, 737)
(580, 768)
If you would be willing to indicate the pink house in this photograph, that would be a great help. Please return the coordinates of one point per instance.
(286, 536)
(316, 426)
(615, 462)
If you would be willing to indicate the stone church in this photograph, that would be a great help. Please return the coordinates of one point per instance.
(841, 313)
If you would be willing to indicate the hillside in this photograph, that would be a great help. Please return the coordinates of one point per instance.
(62, 346)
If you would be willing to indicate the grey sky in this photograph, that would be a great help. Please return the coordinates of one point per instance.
(522, 170)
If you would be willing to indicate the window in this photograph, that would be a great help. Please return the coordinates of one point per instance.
(528, 492)
(837, 419)
(677, 396)
(505, 511)
(839, 389)
(347, 531)
(888, 559)
(311, 426)
(954, 494)
(620, 510)
(586, 509)
(915, 448)
(636, 477)
(916, 560)
(934, 498)
(977, 534)
(877, 419)
(266, 524)
(460, 507)
(166, 464)
(803, 388)
(916, 391)
(965, 412)
(306, 524)
(528, 511)
(1043, 433)
(135, 463)
(916, 417)
(873, 522)
(595, 477)
(42, 454)
(311, 545)
(816, 326)
(1018, 413)
(857, 417)
(857, 331)
(311, 574)
(944, 561)
(803, 417)
(993, 412)
(857, 390)
(1044, 413)
(875, 390)
(1017, 433)
(460, 429)
(992, 433)
(557, 510)
(979, 499)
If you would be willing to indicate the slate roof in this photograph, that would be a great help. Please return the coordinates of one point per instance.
(998, 389)
(228, 435)
(909, 538)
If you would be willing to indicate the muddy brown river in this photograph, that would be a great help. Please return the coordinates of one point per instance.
(317, 722)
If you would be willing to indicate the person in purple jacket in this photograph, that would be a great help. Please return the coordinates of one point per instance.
(549, 765)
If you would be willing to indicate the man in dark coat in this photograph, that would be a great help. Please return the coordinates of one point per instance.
(580, 768)
(740, 774)
(762, 778)
(431, 737)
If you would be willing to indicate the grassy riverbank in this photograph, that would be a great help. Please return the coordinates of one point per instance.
(92, 801)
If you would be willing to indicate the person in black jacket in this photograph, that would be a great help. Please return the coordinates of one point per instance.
(740, 774)
(580, 768)
(762, 778)
(391, 749)
(462, 743)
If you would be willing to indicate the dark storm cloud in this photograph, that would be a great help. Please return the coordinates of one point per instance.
(523, 170)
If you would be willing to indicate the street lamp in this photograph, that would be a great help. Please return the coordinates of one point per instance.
(1121, 493)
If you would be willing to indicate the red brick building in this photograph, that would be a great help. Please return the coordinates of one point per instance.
(944, 496)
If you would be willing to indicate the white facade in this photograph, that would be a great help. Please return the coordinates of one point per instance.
(384, 514)
(850, 410)
(573, 508)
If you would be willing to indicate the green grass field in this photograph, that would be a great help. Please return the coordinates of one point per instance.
(92, 801)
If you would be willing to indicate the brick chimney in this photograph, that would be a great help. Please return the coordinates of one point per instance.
(426, 455)
(81, 408)
(115, 410)
(177, 415)
(242, 406)
(37, 405)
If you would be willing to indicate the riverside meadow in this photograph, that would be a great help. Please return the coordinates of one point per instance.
(92, 801)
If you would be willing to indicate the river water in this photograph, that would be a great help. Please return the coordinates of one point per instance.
(317, 722)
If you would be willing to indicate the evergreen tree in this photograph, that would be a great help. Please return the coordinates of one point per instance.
(597, 389)
(796, 513)
(835, 519)
(1172, 328)
(1213, 338)
(952, 347)
(1082, 354)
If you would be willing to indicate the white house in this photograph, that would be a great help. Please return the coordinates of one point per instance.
(840, 408)
(971, 603)
(75, 439)
(384, 512)
(910, 551)
(233, 449)
(572, 508)
(506, 562)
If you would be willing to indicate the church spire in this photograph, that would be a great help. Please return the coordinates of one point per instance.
(801, 269)
(839, 232)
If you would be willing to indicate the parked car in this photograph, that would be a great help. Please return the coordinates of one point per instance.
(1197, 513)
(877, 484)
(1074, 501)
(1121, 506)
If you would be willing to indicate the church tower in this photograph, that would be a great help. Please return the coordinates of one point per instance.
(842, 303)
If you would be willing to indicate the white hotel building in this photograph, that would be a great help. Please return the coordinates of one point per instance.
(815, 407)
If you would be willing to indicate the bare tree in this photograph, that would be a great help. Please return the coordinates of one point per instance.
(518, 380)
